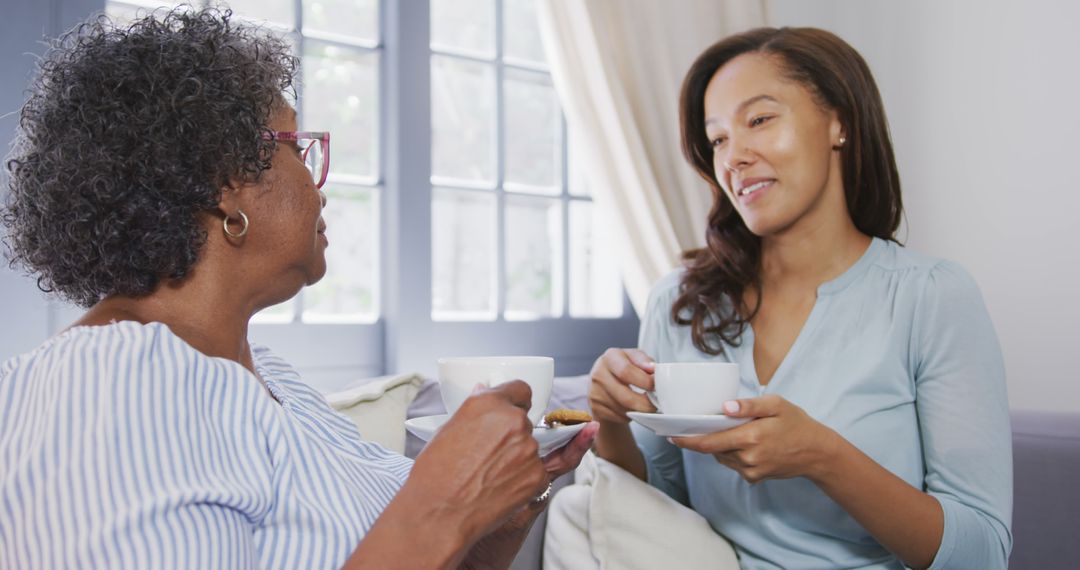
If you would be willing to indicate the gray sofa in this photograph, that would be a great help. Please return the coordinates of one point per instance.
(1046, 460)
(1046, 498)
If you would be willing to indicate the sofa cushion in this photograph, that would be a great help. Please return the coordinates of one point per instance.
(611, 519)
(378, 406)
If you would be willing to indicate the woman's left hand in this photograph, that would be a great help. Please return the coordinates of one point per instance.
(782, 441)
(567, 458)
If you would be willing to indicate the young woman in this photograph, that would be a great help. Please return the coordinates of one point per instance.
(880, 435)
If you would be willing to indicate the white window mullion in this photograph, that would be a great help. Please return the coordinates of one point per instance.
(566, 222)
(500, 167)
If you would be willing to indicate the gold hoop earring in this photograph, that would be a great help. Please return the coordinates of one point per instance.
(243, 222)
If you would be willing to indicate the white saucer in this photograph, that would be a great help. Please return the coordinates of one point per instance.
(549, 439)
(673, 425)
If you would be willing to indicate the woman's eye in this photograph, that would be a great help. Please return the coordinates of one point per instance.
(759, 120)
(717, 141)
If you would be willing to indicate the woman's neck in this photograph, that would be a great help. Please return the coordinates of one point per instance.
(201, 314)
(808, 257)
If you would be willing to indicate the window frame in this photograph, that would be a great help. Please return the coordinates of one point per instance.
(501, 189)
(575, 342)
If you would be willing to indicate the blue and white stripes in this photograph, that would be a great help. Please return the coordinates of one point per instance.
(121, 446)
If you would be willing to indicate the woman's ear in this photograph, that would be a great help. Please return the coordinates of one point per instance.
(837, 132)
(229, 198)
(234, 222)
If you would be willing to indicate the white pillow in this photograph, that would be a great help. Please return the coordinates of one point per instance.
(377, 406)
(611, 519)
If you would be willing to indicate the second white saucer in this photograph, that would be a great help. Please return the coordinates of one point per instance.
(673, 425)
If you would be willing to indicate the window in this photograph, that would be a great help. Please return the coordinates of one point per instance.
(338, 89)
(514, 234)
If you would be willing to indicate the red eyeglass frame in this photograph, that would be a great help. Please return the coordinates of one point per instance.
(322, 137)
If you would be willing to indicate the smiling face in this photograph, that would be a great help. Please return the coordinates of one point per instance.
(774, 147)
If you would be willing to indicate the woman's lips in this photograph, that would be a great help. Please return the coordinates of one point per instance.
(752, 189)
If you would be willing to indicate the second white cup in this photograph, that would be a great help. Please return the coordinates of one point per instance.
(458, 376)
(694, 388)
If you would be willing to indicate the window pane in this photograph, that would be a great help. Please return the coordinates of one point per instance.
(595, 284)
(340, 95)
(276, 11)
(355, 18)
(578, 185)
(350, 290)
(463, 25)
(521, 31)
(533, 257)
(462, 120)
(462, 254)
(533, 132)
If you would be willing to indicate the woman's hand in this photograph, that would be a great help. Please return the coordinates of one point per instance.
(557, 464)
(483, 465)
(479, 470)
(497, 550)
(610, 396)
(566, 459)
(782, 442)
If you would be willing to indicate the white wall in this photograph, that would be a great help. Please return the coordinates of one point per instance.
(984, 103)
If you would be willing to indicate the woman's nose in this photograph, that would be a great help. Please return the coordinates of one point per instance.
(737, 159)
(322, 198)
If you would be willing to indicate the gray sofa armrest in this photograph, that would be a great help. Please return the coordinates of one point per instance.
(1046, 498)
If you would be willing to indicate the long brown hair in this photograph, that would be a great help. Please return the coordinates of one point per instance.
(717, 275)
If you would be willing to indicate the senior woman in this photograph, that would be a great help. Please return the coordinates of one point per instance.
(158, 179)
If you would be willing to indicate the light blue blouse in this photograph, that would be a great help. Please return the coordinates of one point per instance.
(900, 357)
(121, 446)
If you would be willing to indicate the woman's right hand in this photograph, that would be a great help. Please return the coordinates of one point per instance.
(475, 474)
(483, 464)
(612, 375)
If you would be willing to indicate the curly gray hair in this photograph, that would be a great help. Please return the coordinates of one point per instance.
(128, 134)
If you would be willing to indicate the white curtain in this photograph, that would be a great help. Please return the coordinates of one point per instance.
(617, 66)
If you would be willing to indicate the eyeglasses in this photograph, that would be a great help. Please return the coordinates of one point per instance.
(314, 149)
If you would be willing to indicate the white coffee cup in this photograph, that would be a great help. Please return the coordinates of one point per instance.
(694, 388)
(458, 376)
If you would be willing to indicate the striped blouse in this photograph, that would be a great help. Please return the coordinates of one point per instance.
(121, 446)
